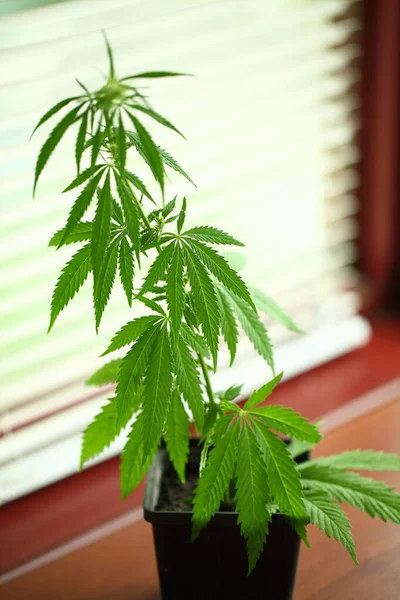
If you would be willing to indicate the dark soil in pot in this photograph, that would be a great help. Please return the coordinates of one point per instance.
(214, 567)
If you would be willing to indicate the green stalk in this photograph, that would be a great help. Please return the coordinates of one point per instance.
(139, 206)
(203, 366)
(207, 380)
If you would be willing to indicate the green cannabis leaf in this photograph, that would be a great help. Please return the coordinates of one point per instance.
(252, 494)
(215, 479)
(361, 460)
(108, 373)
(72, 277)
(126, 268)
(81, 233)
(133, 466)
(330, 518)
(52, 142)
(157, 384)
(188, 380)
(177, 435)
(252, 326)
(283, 477)
(368, 495)
(229, 327)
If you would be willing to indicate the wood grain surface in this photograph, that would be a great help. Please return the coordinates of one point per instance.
(121, 566)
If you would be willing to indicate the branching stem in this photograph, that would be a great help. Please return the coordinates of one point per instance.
(207, 380)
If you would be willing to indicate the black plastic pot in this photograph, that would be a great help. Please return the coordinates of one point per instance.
(214, 567)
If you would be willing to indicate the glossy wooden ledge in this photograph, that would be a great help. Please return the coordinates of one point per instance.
(121, 566)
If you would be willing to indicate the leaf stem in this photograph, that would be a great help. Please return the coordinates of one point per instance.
(207, 380)
(139, 207)
(209, 390)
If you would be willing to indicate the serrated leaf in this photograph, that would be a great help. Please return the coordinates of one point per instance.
(330, 518)
(253, 327)
(131, 213)
(81, 205)
(133, 468)
(175, 290)
(283, 477)
(152, 304)
(133, 368)
(229, 328)
(165, 157)
(117, 213)
(158, 269)
(361, 460)
(126, 269)
(212, 235)
(208, 309)
(271, 308)
(182, 216)
(81, 233)
(52, 142)
(150, 150)
(131, 332)
(71, 279)
(188, 380)
(297, 447)
(102, 430)
(212, 416)
(157, 391)
(80, 141)
(108, 373)
(299, 526)
(368, 495)
(168, 208)
(97, 141)
(121, 143)
(287, 421)
(252, 494)
(177, 435)
(149, 239)
(215, 478)
(138, 183)
(228, 406)
(155, 74)
(57, 107)
(232, 392)
(84, 176)
(171, 162)
(101, 226)
(105, 280)
(191, 316)
(262, 393)
(220, 268)
(195, 341)
(157, 117)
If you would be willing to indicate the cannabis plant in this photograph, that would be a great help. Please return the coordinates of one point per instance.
(194, 301)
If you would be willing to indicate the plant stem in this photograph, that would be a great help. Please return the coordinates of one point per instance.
(140, 208)
(207, 380)
(203, 365)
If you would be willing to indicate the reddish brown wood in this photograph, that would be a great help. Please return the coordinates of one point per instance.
(53, 515)
(326, 571)
(61, 511)
(379, 192)
(122, 565)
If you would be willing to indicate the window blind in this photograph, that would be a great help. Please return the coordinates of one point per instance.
(271, 119)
